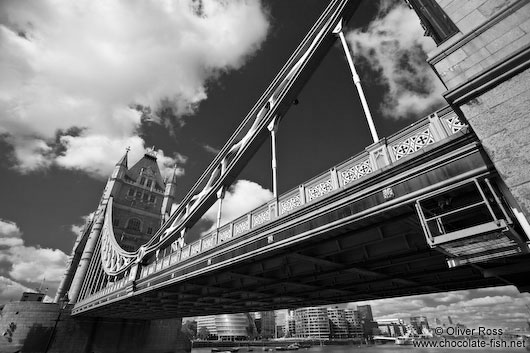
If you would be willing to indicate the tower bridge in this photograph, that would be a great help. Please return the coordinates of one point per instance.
(422, 211)
(419, 212)
(441, 205)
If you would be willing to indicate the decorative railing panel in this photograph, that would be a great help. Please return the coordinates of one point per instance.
(412, 143)
(242, 225)
(225, 233)
(355, 170)
(319, 188)
(290, 202)
(261, 216)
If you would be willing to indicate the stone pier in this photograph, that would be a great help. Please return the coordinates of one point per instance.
(34, 327)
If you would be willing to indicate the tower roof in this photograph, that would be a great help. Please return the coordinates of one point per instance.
(147, 167)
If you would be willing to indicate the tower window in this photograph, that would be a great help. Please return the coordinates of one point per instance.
(435, 21)
(142, 181)
(149, 183)
(134, 224)
(152, 199)
(146, 197)
(131, 192)
(138, 194)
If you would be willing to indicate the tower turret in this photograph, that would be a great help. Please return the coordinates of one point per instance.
(169, 194)
(119, 171)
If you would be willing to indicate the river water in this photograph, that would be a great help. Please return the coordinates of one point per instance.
(383, 348)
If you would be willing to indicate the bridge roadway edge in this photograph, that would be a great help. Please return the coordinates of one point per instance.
(460, 147)
(37, 327)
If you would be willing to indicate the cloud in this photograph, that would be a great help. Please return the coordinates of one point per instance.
(9, 229)
(394, 45)
(243, 196)
(11, 290)
(27, 264)
(70, 97)
(497, 307)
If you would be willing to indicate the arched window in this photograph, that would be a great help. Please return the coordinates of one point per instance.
(134, 224)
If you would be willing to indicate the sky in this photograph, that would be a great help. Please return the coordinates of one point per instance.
(83, 80)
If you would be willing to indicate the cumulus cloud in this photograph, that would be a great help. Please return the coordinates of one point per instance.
(497, 307)
(243, 196)
(394, 45)
(75, 74)
(26, 265)
(10, 290)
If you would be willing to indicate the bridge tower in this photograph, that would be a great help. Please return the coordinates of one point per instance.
(483, 59)
(141, 198)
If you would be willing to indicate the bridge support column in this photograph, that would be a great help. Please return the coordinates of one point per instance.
(220, 197)
(273, 128)
(82, 268)
(69, 273)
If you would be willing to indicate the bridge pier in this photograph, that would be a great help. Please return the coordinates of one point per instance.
(34, 327)
(485, 66)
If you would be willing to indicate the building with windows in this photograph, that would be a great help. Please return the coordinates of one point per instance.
(268, 324)
(141, 200)
(367, 319)
(355, 327)
(206, 324)
(227, 327)
(365, 312)
(290, 324)
(312, 323)
(419, 324)
(392, 327)
(338, 323)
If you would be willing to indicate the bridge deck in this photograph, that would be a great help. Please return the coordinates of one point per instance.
(357, 243)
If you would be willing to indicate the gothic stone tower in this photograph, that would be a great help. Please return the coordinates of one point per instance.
(141, 202)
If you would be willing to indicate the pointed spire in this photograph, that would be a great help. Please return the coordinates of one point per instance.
(173, 176)
(123, 161)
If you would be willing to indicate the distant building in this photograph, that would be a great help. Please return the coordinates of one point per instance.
(338, 323)
(228, 327)
(280, 331)
(290, 324)
(32, 297)
(268, 324)
(355, 327)
(392, 327)
(367, 320)
(365, 312)
(419, 323)
(208, 323)
(312, 322)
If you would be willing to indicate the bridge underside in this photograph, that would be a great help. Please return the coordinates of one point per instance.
(326, 254)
